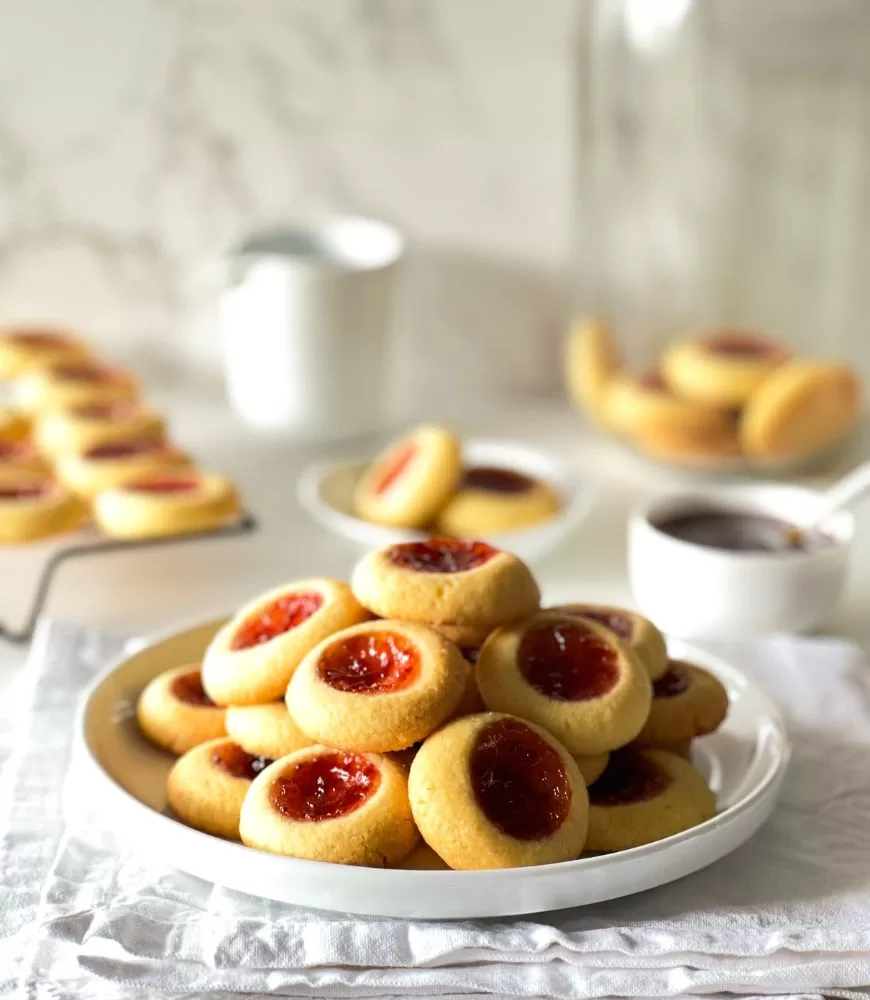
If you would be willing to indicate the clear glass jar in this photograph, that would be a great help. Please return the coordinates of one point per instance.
(724, 171)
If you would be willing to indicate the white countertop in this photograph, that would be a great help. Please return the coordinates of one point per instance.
(140, 592)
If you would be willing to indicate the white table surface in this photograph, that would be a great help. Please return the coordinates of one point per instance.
(140, 592)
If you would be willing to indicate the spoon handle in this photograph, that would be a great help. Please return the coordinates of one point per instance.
(846, 492)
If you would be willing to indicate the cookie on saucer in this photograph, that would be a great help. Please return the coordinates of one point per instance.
(722, 368)
(206, 787)
(570, 675)
(637, 632)
(463, 589)
(644, 796)
(407, 484)
(179, 501)
(379, 686)
(176, 714)
(331, 805)
(491, 501)
(265, 730)
(687, 702)
(252, 658)
(495, 791)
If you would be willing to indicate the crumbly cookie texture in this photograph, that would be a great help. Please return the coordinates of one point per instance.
(175, 713)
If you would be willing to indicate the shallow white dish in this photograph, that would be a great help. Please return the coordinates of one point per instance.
(744, 761)
(326, 491)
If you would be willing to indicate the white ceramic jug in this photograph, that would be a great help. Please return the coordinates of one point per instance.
(305, 320)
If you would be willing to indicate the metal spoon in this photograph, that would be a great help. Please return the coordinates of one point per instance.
(845, 494)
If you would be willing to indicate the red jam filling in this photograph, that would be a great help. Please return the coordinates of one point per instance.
(653, 381)
(104, 411)
(32, 492)
(519, 780)
(234, 761)
(165, 484)
(671, 683)
(616, 623)
(14, 450)
(393, 466)
(495, 480)
(83, 373)
(441, 555)
(734, 344)
(325, 787)
(188, 688)
(125, 449)
(371, 663)
(629, 777)
(275, 619)
(566, 661)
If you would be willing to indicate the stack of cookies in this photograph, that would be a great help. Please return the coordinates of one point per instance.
(430, 715)
(721, 395)
(421, 482)
(81, 441)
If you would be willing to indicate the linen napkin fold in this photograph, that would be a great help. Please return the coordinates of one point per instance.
(788, 913)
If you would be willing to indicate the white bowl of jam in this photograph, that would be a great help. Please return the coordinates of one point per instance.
(326, 492)
(738, 561)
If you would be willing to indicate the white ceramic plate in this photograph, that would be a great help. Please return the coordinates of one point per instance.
(744, 761)
(326, 491)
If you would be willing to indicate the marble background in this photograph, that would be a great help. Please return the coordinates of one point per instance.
(138, 138)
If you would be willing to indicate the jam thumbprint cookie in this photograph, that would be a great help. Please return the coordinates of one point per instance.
(116, 463)
(21, 456)
(802, 408)
(591, 361)
(265, 730)
(408, 483)
(379, 686)
(78, 428)
(32, 347)
(72, 384)
(592, 765)
(644, 796)
(687, 702)
(206, 787)
(571, 676)
(252, 658)
(637, 632)
(175, 713)
(463, 589)
(495, 791)
(491, 501)
(176, 502)
(14, 425)
(32, 506)
(722, 368)
(331, 805)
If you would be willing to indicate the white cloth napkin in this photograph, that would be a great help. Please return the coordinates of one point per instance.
(788, 913)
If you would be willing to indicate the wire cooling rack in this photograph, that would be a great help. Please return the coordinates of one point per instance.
(99, 545)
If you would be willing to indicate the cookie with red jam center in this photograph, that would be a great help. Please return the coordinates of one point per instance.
(687, 702)
(252, 658)
(175, 713)
(496, 791)
(73, 383)
(333, 805)
(206, 787)
(637, 632)
(32, 347)
(643, 796)
(492, 501)
(722, 367)
(32, 507)
(265, 730)
(570, 675)
(75, 429)
(464, 589)
(411, 480)
(115, 463)
(177, 501)
(380, 686)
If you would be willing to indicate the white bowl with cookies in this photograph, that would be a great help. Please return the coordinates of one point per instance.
(509, 494)
(426, 741)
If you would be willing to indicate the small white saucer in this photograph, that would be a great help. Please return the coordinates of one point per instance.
(744, 762)
(326, 490)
